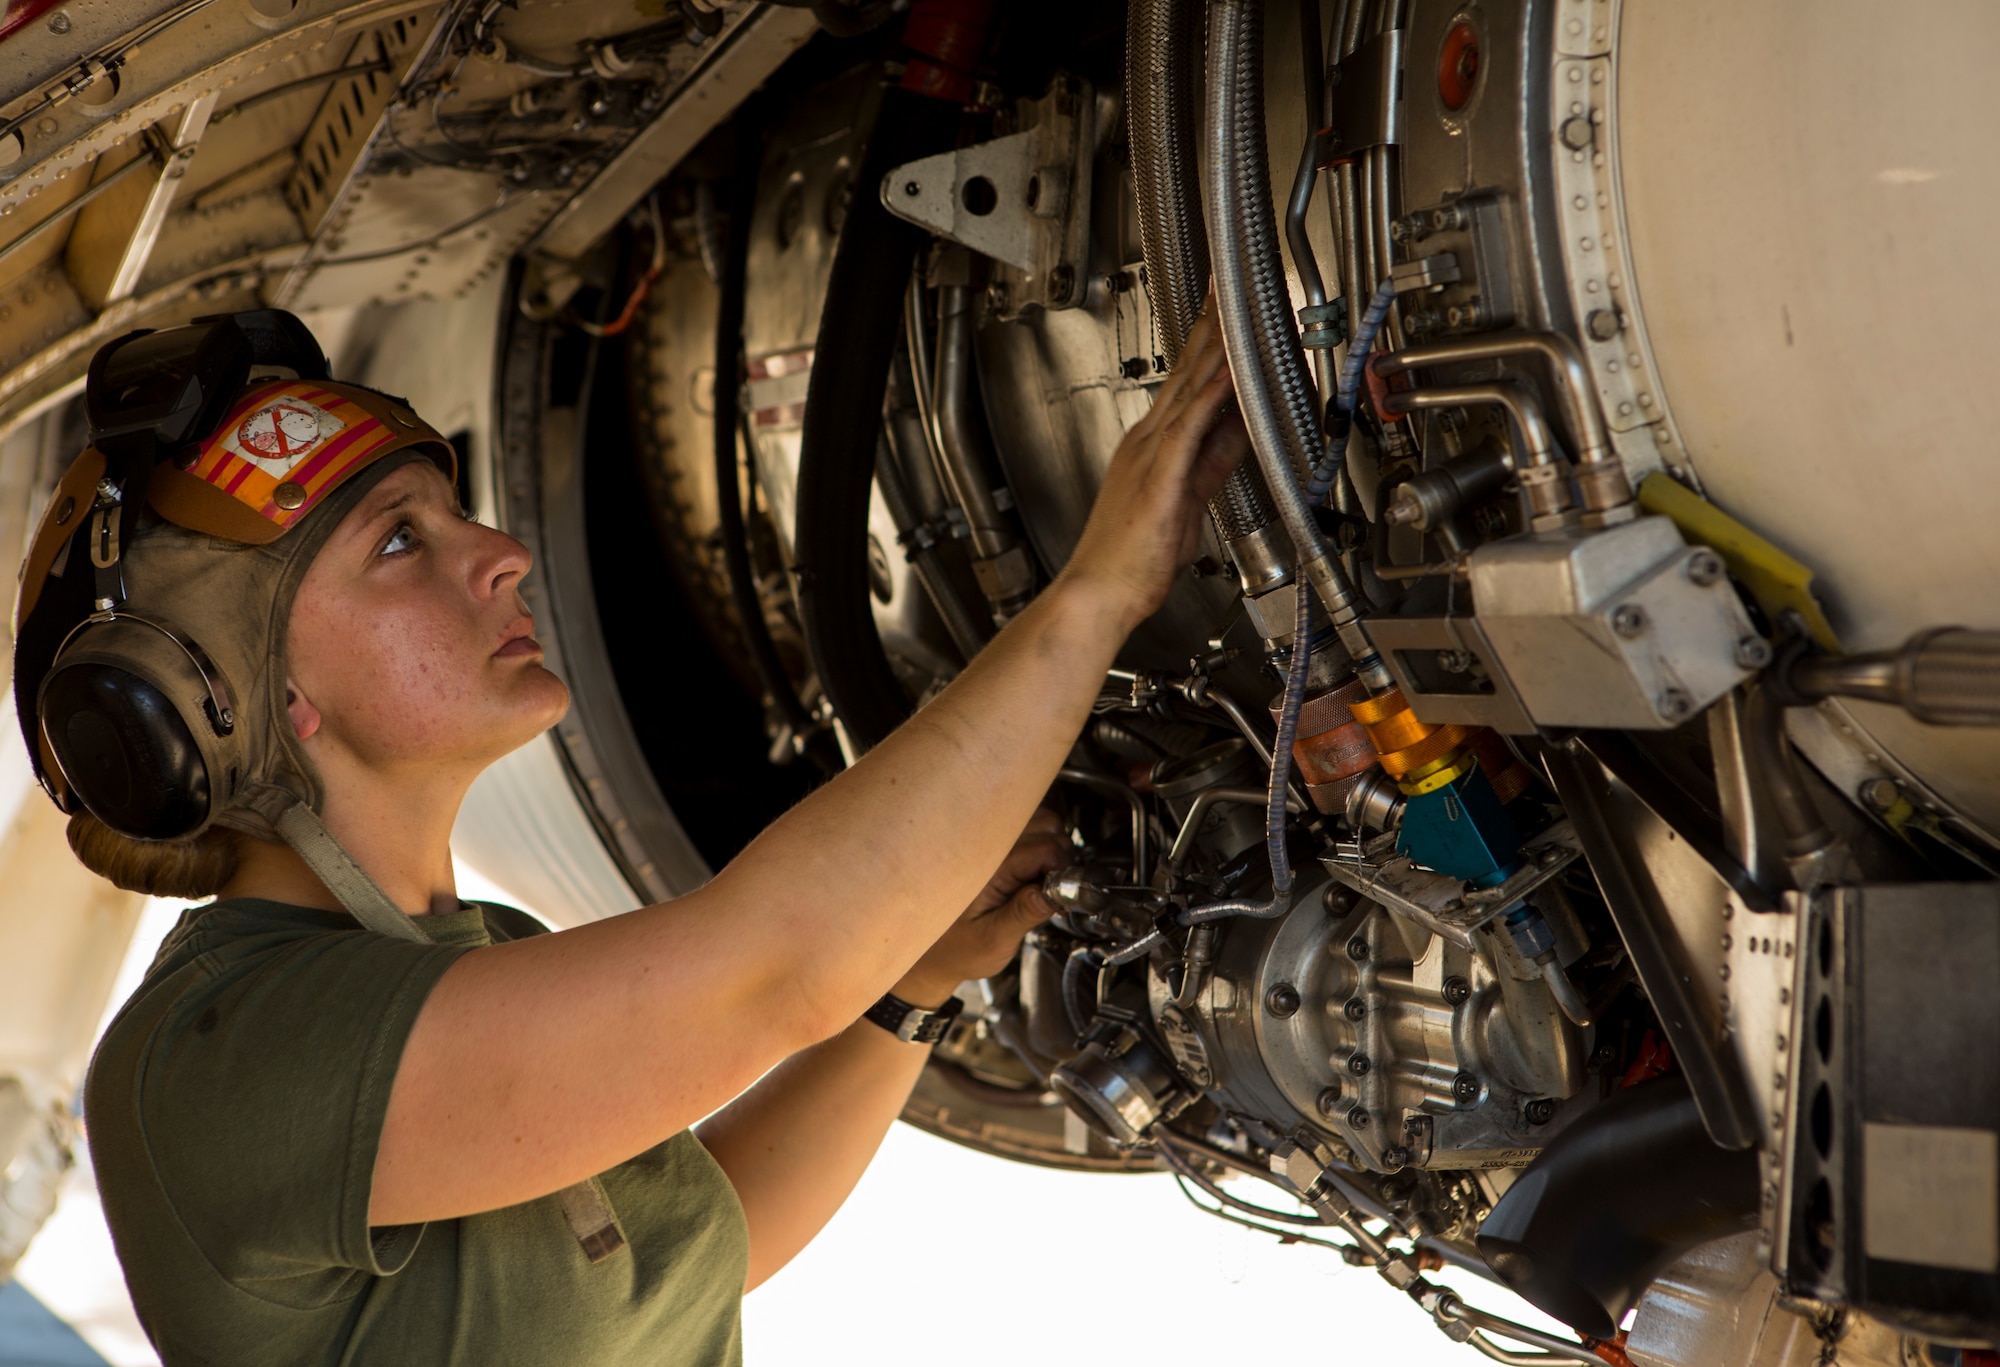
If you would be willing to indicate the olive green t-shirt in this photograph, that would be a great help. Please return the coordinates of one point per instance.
(234, 1109)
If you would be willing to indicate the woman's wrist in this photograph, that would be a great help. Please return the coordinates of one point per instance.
(924, 991)
(1101, 605)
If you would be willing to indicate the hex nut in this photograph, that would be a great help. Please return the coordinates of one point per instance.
(1628, 620)
(1704, 567)
(1328, 1102)
(1540, 1111)
(1396, 1157)
(1457, 991)
(1282, 1000)
(1753, 652)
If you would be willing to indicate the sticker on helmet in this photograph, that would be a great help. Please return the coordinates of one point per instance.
(278, 436)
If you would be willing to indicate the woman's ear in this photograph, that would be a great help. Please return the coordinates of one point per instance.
(305, 717)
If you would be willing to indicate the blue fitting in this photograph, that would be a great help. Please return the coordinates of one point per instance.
(1530, 932)
(1461, 830)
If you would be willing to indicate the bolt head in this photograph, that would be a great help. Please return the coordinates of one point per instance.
(1540, 1111)
(1396, 1157)
(1881, 793)
(1359, 1065)
(1628, 620)
(1355, 1008)
(1602, 324)
(1576, 133)
(1457, 991)
(1358, 1118)
(1282, 1000)
(1465, 1089)
(1753, 652)
(59, 22)
(1357, 949)
(1704, 567)
(1673, 705)
(1328, 1103)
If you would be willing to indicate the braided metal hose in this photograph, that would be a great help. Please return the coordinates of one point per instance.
(1162, 56)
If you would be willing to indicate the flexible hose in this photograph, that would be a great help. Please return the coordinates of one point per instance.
(1348, 396)
(859, 325)
(1274, 797)
(1162, 56)
(1253, 301)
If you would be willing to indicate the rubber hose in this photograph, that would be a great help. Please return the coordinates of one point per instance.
(728, 423)
(860, 322)
(1162, 57)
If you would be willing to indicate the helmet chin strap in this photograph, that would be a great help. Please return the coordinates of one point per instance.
(362, 896)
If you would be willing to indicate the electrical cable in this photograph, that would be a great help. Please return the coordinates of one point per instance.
(646, 281)
(357, 258)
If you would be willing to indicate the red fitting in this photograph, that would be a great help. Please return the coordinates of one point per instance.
(948, 37)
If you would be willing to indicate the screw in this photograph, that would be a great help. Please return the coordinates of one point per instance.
(1454, 661)
(1357, 949)
(910, 188)
(1628, 620)
(1602, 324)
(1282, 1000)
(1329, 1102)
(1465, 1089)
(1457, 991)
(1396, 1157)
(1879, 793)
(1704, 567)
(1673, 705)
(1060, 280)
(1358, 1118)
(1355, 1008)
(60, 22)
(1540, 1111)
(1576, 133)
(1359, 1065)
(1753, 652)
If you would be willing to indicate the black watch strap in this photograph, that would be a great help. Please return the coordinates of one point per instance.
(913, 1023)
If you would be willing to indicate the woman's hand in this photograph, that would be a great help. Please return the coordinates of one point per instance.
(985, 939)
(1146, 522)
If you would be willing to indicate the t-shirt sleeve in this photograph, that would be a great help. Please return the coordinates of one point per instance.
(262, 1091)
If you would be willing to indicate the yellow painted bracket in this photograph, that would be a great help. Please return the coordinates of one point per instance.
(1778, 582)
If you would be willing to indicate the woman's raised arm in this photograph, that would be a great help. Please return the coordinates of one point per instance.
(536, 1064)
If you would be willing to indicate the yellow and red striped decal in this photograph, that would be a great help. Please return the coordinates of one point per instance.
(291, 435)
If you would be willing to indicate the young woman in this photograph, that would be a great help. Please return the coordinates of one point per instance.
(487, 1144)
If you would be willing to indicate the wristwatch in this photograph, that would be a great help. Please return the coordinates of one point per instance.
(913, 1024)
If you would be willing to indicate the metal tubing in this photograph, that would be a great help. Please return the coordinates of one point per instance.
(968, 463)
(1280, 403)
(1452, 1308)
(1198, 810)
(1572, 383)
(1537, 443)
(1483, 1344)
(1111, 787)
(1772, 763)
(1563, 988)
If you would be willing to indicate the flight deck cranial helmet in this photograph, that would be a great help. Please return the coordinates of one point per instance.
(149, 669)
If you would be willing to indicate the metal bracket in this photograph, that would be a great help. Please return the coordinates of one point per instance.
(1023, 200)
(1443, 905)
(1367, 95)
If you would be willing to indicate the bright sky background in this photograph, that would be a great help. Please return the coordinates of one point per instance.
(946, 1256)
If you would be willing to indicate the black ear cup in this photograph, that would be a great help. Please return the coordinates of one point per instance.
(126, 751)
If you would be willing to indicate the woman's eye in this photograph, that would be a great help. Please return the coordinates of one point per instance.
(402, 540)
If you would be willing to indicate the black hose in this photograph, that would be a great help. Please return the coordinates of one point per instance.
(743, 593)
(859, 324)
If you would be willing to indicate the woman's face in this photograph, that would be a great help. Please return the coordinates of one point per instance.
(410, 645)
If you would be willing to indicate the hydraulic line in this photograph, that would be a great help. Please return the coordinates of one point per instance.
(1163, 49)
(1280, 404)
